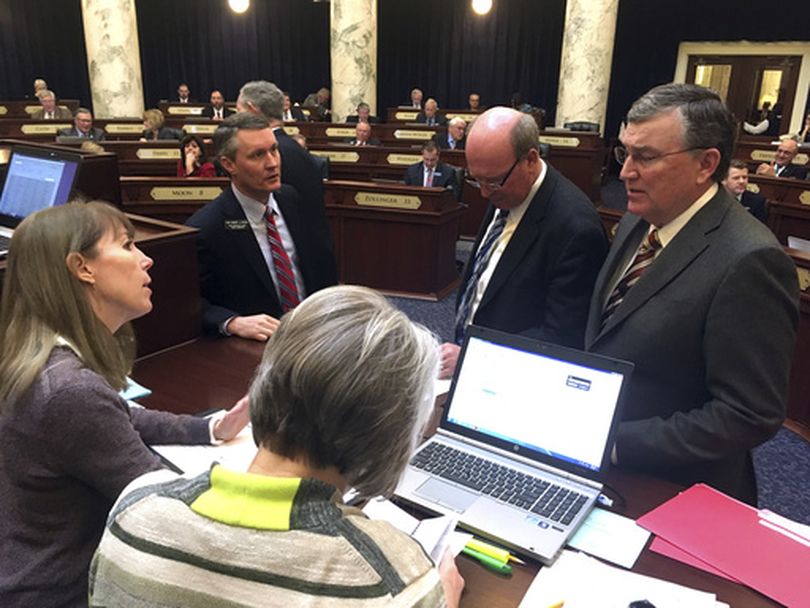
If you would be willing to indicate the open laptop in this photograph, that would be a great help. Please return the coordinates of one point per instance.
(524, 442)
(36, 178)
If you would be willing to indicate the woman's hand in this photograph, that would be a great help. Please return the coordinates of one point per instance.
(452, 581)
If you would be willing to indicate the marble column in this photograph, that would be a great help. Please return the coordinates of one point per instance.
(113, 57)
(353, 26)
(587, 53)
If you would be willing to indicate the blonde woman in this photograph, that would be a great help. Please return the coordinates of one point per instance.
(154, 129)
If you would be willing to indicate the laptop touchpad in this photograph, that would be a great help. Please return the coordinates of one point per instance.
(447, 495)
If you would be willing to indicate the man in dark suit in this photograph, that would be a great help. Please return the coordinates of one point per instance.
(363, 115)
(82, 127)
(216, 109)
(540, 245)
(430, 115)
(736, 183)
(782, 165)
(259, 248)
(698, 295)
(431, 172)
(362, 136)
(184, 94)
(454, 138)
(291, 113)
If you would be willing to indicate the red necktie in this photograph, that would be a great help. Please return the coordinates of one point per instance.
(429, 178)
(285, 277)
(644, 257)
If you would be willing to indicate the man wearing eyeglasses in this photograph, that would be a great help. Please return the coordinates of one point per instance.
(539, 248)
(699, 295)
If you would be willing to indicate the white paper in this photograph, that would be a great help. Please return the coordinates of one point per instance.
(236, 454)
(584, 582)
(612, 537)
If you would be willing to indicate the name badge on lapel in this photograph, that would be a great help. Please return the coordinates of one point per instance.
(236, 225)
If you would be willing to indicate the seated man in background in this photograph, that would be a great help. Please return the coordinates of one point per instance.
(259, 255)
(346, 380)
(454, 138)
(362, 136)
(782, 165)
(291, 113)
(49, 109)
(430, 172)
(474, 101)
(363, 115)
(82, 127)
(416, 98)
(318, 105)
(184, 94)
(431, 115)
(736, 183)
(216, 109)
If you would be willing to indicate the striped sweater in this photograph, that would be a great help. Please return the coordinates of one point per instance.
(236, 539)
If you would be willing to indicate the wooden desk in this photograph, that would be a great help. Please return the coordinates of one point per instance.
(215, 372)
(171, 199)
(396, 238)
(24, 109)
(788, 207)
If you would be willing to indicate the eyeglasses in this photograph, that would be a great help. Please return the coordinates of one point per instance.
(621, 155)
(493, 186)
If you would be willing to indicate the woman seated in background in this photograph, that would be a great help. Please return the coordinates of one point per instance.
(339, 400)
(192, 163)
(804, 136)
(68, 442)
(153, 121)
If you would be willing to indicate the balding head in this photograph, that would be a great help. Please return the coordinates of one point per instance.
(786, 151)
(502, 155)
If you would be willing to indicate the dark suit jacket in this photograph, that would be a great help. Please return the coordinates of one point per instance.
(440, 139)
(372, 141)
(208, 112)
(164, 133)
(94, 134)
(794, 171)
(353, 119)
(234, 278)
(756, 204)
(441, 119)
(297, 114)
(542, 285)
(710, 328)
(444, 176)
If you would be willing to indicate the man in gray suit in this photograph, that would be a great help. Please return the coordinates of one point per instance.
(699, 295)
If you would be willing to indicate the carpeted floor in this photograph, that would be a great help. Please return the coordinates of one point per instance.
(782, 464)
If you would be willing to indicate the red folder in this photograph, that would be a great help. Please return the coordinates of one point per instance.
(731, 537)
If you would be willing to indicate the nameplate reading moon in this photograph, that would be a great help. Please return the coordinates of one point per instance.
(556, 140)
(804, 197)
(402, 159)
(124, 128)
(406, 115)
(185, 110)
(391, 201)
(337, 156)
(339, 132)
(157, 153)
(44, 129)
(200, 129)
(411, 134)
(291, 130)
(185, 193)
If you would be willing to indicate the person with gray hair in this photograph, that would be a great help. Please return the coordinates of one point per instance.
(339, 400)
(454, 138)
(699, 295)
(540, 245)
(363, 115)
(259, 250)
(49, 109)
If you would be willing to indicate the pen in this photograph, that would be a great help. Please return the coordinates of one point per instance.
(502, 555)
(488, 562)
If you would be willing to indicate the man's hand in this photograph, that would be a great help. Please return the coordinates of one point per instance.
(449, 357)
(254, 327)
(765, 169)
(452, 581)
(233, 421)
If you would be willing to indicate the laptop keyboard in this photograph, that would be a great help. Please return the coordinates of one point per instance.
(503, 483)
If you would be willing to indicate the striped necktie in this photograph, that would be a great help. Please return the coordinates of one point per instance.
(479, 265)
(285, 278)
(429, 178)
(644, 258)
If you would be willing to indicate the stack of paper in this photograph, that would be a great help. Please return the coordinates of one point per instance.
(579, 581)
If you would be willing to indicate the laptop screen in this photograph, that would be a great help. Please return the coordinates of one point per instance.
(36, 178)
(549, 403)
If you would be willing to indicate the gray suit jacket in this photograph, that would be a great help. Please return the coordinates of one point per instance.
(710, 327)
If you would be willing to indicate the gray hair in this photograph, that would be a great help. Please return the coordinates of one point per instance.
(457, 120)
(705, 118)
(82, 111)
(266, 97)
(346, 382)
(46, 93)
(225, 135)
(524, 135)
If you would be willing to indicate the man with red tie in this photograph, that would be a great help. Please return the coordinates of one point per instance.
(258, 255)
(430, 172)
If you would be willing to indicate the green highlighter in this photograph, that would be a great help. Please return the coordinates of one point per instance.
(488, 562)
